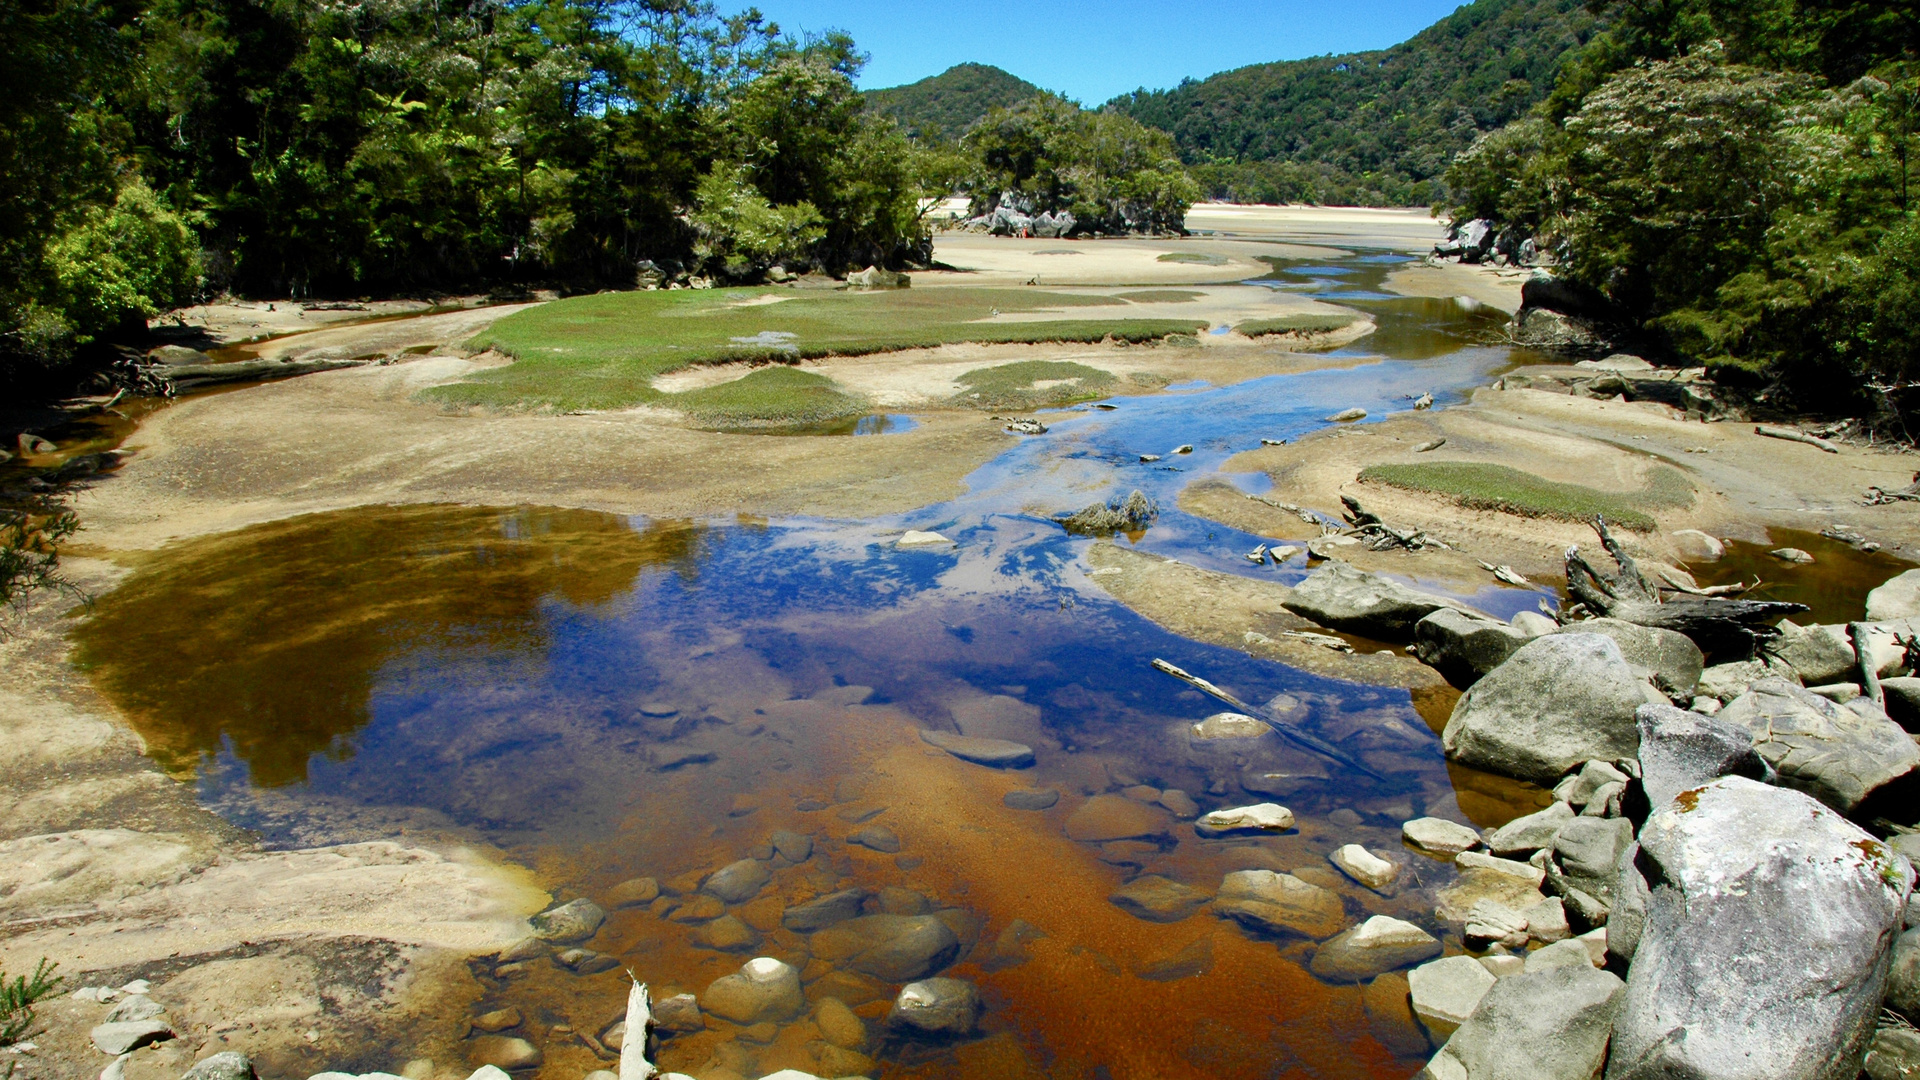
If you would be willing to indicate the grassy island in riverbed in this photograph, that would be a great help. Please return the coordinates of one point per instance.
(1496, 487)
(604, 351)
(1308, 322)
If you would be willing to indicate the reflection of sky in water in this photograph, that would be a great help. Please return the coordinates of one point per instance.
(532, 675)
(1008, 604)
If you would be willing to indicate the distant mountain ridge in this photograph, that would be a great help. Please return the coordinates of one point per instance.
(1375, 127)
(941, 107)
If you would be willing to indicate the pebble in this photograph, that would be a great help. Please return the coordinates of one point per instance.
(1158, 899)
(823, 911)
(226, 1065)
(1439, 835)
(678, 1014)
(1792, 555)
(725, 934)
(839, 1024)
(135, 1007)
(876, 838)
(1365, 867)
(792, 846)
(587, 962)
(634, 892)
(119, 1038)
(699, 909)
(938, 1006)
(575, 920)
(1031, 799)
(1258, 818)
(1378, 945)
(1114, 817)
(505, 1052)
(497, 1020)
(763, 989)
(1346, 818)
(1179, 803)
(993, 753)
(738, 882)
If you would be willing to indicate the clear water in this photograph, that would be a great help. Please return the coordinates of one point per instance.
(604, 698)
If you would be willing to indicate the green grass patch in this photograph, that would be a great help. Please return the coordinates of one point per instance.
(1161, 296)
(1497, 487)
(1195, 257)
(603, 351)
(1012, 386)
(1306, 322)
(770, 397)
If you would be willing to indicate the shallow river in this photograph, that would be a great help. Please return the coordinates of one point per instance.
(604, 698)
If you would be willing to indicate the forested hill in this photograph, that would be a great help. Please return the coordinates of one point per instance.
(1373, 127)
(940, 107)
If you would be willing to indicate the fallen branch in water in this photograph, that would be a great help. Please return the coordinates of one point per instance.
(1378, 535)
(1791, 435)
(1286, 731)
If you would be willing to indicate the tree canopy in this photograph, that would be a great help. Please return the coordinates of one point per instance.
(1737, 180)
(159, 149)
(940, 108)
(1371, 128)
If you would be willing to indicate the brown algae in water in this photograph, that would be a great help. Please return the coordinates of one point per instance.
(608, 701)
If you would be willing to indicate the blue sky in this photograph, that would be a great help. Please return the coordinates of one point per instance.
(1094, 50)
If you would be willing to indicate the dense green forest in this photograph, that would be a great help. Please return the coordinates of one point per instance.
(155, 150)
(1736, 179)
(940, 108)
(1373, 128)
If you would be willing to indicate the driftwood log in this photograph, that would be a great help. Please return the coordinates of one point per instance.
(634, 1064)
(1724, 629)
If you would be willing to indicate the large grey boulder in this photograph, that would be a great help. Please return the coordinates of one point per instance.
(1765, 950)
(1680, 750)
(1903, 700)
(1666, 657)
(1896, 598)
(1818, 654)
(1347, 598)
(896, 948)
(1903, 976)
(1549, 1024)
(1464, 647)
(1837, 755)
(1557, 702)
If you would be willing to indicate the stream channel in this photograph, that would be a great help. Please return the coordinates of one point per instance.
(603, 699)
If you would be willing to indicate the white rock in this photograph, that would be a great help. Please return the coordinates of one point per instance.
(915, 538)
(1696, 546)
(137, 986)
(1260, 817)
(1503, 964)
(1596, 942)
(1547, 921)
(1365, 867)
(1534, 624)
(1446, 991)
(1439, 835)
(1474, 860)
(489, 1072)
